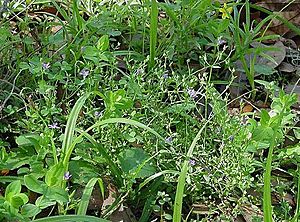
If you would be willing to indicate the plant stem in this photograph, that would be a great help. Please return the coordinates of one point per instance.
(267, 203)
(297, 211)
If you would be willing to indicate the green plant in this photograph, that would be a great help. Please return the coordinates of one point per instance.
(14, 203)
(268, 133)
(153, 32)
(244, 37)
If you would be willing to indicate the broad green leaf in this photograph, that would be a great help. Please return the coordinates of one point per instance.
(261, 134)
(297, 133)
(18, 200)
(56, 193)
(132, 158)
(43, 202)
(103, 43)
(13, 188)
(293, 150)
(54, 175)
(30, 210)
(264, 118)
(34, 184)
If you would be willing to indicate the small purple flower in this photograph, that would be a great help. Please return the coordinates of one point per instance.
(46, 65)
(192, 162)
(169, 139)
(98, 114)
(84, 72)
(192, 93)
(231, 138)
(67, 175)
(221, 41)
(139, 71)
(165, 75)
(53, 126)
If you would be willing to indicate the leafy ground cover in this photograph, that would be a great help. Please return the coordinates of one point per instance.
(148, 111)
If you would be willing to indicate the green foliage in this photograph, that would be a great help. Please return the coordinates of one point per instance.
(129, 98)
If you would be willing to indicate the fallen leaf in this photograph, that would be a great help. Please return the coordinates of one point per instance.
(247, 109)
(286, 67)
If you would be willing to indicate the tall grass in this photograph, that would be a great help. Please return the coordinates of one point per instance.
(86, 195)
(153, 32)
(69, 141)
(182, 178)
(68, 218)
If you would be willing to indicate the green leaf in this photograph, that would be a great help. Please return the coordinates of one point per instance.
(132, 158)
(264, 118)
(86, 195)
(33, 184)
(18, 200)
(263, 69)
(30, 210)
(293, 150)
(13, 188)
(297, 133)
(43, 202)
(56, 193)
(70, 218)
(261, 134)
(103, 43)
(55, 175)
(70, 128)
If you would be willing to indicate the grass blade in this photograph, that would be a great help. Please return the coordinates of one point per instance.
(267, 201)
(70, 128)
(104, 122)
(86, 195)
(70, 218)
(297, 211)
(116, 172)
(182, 177)
(153, 32)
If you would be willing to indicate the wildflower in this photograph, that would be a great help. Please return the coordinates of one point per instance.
(169, 139)
(226, 11)
(53, 126)
(231, 138)
(221, 41)
(46, 65)
(98, 114)
(192, 162)
(84, 72)
(139, 72)
(67, 175)
(192, 93)
(165, 75)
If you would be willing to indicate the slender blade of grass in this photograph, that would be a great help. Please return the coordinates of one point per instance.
(86, 195)
(182, 178)
(70, 128)
(153, 32)
(116, 172)
(267, 200)
(103, 122)
(70, 218)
